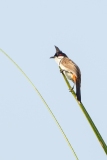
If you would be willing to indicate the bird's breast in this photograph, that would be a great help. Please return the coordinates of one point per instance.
(63, 67)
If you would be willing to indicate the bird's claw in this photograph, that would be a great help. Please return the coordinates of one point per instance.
(71, 89)
(61, 71)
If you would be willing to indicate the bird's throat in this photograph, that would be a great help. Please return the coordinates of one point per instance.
(58, 59)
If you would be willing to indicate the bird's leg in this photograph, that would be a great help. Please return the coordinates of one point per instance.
(72, 88)
(61, 71)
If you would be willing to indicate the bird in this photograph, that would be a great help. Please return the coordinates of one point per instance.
(70, 69)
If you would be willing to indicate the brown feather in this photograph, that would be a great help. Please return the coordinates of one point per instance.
(71, 67)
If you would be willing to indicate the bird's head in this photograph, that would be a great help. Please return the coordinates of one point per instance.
(59, 54)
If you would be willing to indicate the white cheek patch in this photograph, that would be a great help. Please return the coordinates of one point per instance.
(58, 59)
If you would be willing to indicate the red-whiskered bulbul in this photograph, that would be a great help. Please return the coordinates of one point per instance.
(70, 69)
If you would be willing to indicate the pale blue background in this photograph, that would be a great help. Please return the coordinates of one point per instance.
(28, 32)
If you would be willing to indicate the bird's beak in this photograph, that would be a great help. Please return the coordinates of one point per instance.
(52, 57)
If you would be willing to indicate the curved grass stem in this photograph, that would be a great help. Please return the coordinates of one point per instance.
(43, 102)
(103, 144)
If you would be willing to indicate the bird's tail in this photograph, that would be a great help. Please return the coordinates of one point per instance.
(78, 91)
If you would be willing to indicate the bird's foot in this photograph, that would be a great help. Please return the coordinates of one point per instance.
(71, 89)
(61, 71)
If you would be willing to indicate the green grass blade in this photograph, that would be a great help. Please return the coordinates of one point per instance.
(43, 102)
(103, 144)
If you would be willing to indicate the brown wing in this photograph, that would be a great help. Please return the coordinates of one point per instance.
(71, 67)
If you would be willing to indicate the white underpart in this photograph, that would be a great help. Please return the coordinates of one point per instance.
(58, 59)
(68, 73)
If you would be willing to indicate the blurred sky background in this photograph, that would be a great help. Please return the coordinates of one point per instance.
(29, 29)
